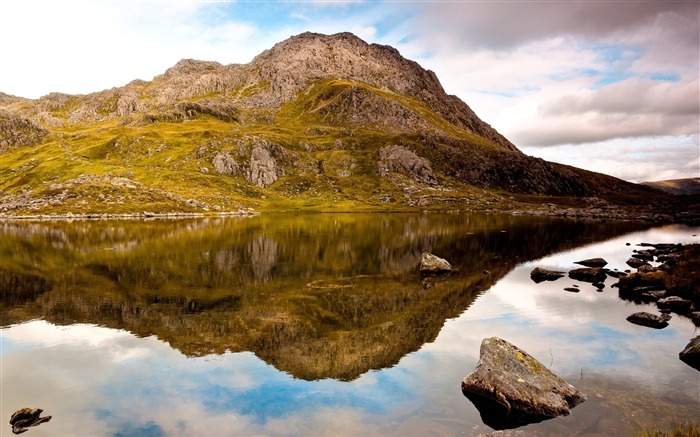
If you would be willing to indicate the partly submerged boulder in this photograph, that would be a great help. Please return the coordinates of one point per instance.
(649, 320)
(539, 274)
(592, 262)
(691, 354)
(510, 388)
(675, 303)
(589, 274)
(431, 263)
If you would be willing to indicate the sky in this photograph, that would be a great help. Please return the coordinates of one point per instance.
(609, 86)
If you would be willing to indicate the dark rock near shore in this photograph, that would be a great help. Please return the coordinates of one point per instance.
(695, 317)
(691, 354)
(635, 263)
(648, 319)
(615, 274)
(592, 262)
(572, 289)
(539, 275)
(510, 388)
(589, 274)
(644, 255)
(675, 303)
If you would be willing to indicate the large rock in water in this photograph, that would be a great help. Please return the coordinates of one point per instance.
(511, 389)
(649, 320)
(435, 264)
(691, 354)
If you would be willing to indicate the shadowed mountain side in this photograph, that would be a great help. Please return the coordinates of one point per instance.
(328, 296)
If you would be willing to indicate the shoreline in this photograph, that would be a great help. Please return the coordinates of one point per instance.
(568, 213)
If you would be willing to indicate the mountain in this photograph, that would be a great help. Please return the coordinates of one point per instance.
(317, 122)
(677, 186)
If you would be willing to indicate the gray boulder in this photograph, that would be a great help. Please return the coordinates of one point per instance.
(433, 264)
(225, 164)
(510, 388)
(649, 320)
(675, 303)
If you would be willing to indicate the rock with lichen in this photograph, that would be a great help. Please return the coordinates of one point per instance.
(430, 263)
(510, 388)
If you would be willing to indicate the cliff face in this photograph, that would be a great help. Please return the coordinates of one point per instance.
(302, 126)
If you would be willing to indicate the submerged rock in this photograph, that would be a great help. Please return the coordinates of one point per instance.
(510, 388)
(691, 354)
(649, 320)
(539, 274)
(432, 263)
(592, 262)
(590, 274)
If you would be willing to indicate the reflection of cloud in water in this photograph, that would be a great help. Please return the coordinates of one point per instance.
(80, 374)
(101, 381)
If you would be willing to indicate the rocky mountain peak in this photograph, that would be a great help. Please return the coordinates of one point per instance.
(291, 65)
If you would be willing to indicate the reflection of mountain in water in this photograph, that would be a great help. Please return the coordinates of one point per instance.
(317, 296)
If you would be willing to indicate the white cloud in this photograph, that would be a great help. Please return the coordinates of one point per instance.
(542, 74)
(633, 159)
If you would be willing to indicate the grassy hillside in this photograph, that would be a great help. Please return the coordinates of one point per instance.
(345, 127)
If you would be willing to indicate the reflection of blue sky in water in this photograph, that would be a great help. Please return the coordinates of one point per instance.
(97, 381)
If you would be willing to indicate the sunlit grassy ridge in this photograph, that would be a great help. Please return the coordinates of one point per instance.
(331, 166)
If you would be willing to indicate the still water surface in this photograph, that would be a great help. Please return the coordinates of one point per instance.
(321, 325)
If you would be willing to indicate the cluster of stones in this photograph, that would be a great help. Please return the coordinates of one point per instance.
(646, 285)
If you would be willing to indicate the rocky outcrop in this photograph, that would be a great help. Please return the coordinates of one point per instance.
(263, 170)
(225, 164)
(401, 160)
(539, 274)
(691, 354)
(359, 106)
(510, 388)
(17, 131)
(433, 264)
(290, 65)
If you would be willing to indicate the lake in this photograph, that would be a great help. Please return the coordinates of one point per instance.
(318, 325)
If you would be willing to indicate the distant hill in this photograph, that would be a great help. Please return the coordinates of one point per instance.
(677, 186)
(317, 122)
